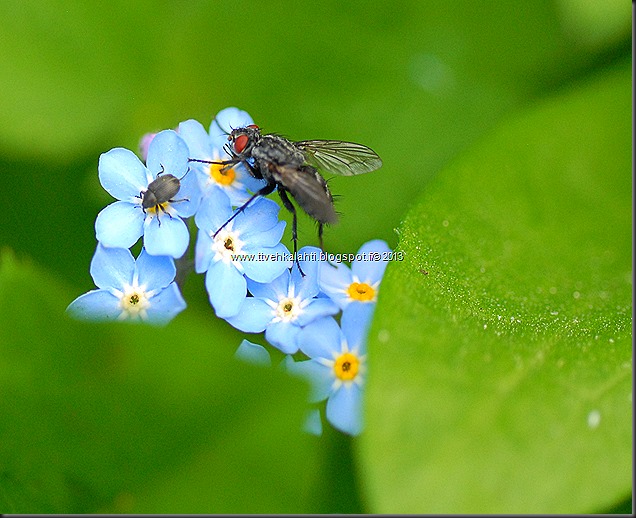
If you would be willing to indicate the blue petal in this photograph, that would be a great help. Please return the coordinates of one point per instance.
(253, 316)
(286, 364)
(203, 253)
(224, 122)
(344, 409)
(165, 305)
(215, 209)
(371, 271)
(112, 267)
(122, 174)
(197, 139)
(316, 309)
(274, 290)
(334, 280)
(238, 195)
(307, 286)
(283, 336)
(253, 353)
(264, 238)
(250, 183)
(168, 153)
(260, 216)
(226, 288)
(189, 196)
(267, 271)
(321, 339)
(320, 377)
(154, 271)
(168, 236)
(119, 224)
(355, 323)
(96, 305)
(313, 424)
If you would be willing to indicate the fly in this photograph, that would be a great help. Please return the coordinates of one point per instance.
(292, 168)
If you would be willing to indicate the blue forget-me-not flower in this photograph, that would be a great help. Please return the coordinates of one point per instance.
(248, 246)
(356, 288)
(129, 289)
(336, 368)
(126, 178)
(236, 181)
(283, 306)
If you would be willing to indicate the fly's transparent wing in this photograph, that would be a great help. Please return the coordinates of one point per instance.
(338, 157)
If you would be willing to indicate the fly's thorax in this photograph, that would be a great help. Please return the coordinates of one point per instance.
(279, 150)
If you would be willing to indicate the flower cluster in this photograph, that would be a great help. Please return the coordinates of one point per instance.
(315, 312)
(297, 315)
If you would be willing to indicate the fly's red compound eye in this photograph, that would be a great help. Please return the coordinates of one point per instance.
(253, 126)
(239, 143)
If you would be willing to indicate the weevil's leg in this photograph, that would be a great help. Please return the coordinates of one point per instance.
(261, 192)
(163, 209)
(290, 207)
(160, 208)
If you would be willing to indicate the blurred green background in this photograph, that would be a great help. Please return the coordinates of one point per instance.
(129, 419)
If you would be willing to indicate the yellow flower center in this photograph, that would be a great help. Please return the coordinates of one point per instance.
(361, 291)
(159, 208)
(228, 244)
(221, 174)
(346, 366)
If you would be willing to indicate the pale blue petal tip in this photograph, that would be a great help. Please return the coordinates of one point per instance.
(253, 353)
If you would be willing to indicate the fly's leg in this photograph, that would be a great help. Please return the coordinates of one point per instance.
(290, 207)
(261, 192)
(229, 163)
(320, 228)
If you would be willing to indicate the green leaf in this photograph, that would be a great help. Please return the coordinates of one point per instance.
(134, 418)
(500, 355)
(595, 23)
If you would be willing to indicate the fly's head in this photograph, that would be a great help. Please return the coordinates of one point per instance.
(242, 140)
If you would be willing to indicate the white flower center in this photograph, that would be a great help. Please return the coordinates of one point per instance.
(227, 245)
(288, 309)
(134, 302)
